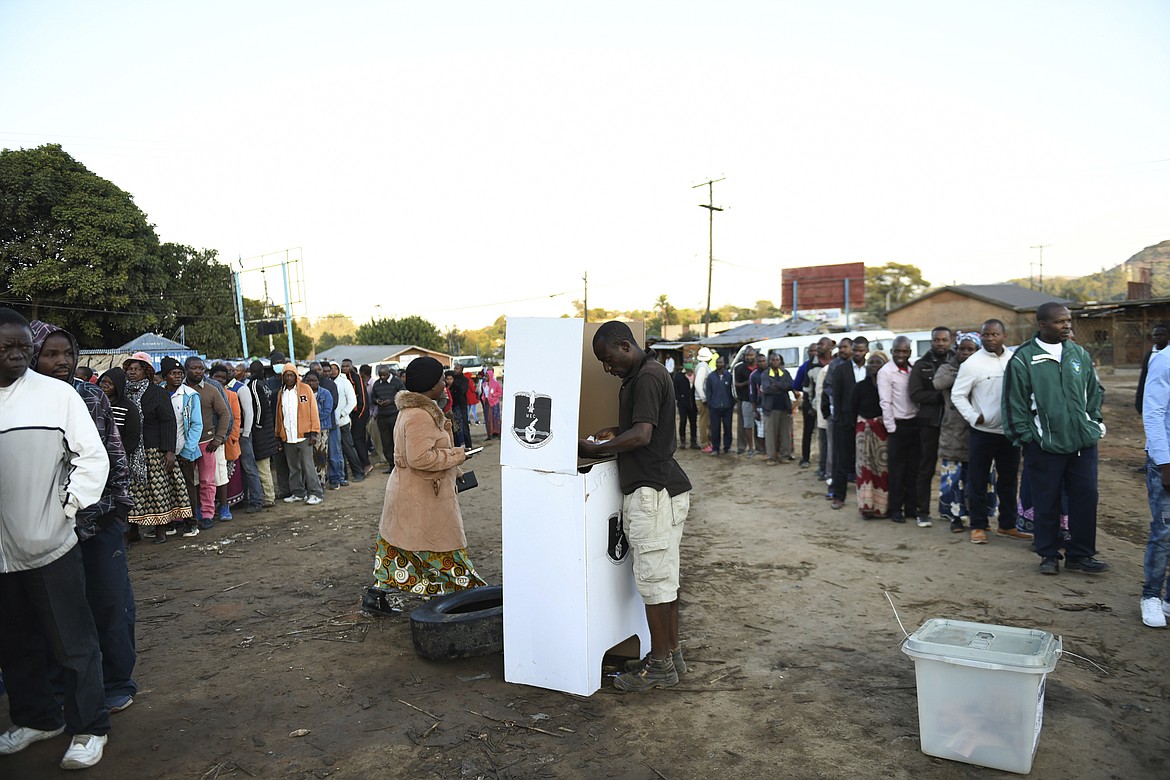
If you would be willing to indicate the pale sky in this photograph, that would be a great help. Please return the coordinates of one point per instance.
(462, 160)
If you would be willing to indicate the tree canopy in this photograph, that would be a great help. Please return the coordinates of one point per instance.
(890, 285)
(407, 330)
(75, 250)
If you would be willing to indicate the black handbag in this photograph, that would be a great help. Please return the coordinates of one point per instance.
(466, 482)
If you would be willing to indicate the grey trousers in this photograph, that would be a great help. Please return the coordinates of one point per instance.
(302, 473)
(778, 433)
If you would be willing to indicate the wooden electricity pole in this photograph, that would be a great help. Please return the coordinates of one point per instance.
(711, 209)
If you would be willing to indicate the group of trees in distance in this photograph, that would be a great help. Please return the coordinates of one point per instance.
(76, 251)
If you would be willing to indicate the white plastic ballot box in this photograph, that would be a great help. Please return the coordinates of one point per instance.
(569, 592)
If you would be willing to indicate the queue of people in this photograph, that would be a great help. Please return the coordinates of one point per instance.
(1010, 435)
(93, 463)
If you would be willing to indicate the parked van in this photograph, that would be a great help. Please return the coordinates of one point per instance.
(794, 348)
(919, 343)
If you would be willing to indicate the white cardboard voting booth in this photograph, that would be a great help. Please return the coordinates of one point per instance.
(569, 590)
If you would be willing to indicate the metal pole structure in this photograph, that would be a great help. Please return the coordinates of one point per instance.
(287, 309)
(711, 209)
(585, 278)
(795, 305)
(1041, 248)
(240, 312)
(846, 303)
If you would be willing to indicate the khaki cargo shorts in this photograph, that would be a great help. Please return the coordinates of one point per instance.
(653, 522)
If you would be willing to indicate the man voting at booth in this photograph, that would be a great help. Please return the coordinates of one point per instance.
(656, 496)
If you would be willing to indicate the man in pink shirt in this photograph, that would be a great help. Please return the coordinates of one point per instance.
(899, 414)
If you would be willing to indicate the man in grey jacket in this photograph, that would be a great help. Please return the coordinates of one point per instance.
(53, 465)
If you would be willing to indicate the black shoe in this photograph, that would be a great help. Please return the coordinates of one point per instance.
(1088, 565)
(1050, 566)
(897, 518)
(375, 601)
(251, 510)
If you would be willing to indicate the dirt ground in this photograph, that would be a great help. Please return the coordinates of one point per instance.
(252, 631)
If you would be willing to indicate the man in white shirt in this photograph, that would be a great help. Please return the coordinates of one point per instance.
(900, 417)
(253, 492)
(702, 370)
(52, 464)
(346, 403)
(978, 395)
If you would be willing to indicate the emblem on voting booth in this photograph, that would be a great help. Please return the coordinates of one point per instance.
(619, 546)
(532, 424)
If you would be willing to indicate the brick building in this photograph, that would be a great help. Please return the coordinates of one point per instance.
(967, 306)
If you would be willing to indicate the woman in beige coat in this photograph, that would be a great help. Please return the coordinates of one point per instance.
(421, 547)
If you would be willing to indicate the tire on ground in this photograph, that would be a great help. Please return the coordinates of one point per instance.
(460, 625)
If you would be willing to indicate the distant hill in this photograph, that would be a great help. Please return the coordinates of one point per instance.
(1111, 284)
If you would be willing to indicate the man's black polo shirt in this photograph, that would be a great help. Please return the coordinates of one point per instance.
(647, 395)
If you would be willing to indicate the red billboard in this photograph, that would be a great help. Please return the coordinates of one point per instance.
(824, 286)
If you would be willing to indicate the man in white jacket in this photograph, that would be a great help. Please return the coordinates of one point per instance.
(978, 395)
(346, 403)
(53, 464)
(702, 369)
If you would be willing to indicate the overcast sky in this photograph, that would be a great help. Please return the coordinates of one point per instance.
(462, 160)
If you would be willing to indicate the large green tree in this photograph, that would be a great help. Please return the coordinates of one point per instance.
(203, 300)
(74, 248)
(407, 330)
(890, 285)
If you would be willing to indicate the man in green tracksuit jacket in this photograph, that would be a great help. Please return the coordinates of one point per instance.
(1052, 408)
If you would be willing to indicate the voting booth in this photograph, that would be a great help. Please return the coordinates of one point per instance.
(569, 593)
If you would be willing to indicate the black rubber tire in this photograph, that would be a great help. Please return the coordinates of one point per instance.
(460, 625)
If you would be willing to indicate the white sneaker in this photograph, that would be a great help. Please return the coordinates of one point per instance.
(84, 751)
(293, 499)
(313, 500)
(1152, 614)
(18, 738)
(924, 522)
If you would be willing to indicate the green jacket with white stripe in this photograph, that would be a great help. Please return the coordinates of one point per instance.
(1050, 402)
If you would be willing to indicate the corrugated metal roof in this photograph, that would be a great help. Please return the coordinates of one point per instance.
(152, 342)
(746, 334)
(375, 353)
(1013, 296)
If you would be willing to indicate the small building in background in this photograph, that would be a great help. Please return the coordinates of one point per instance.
(967, 306)
(158, 347)
(374, 354)
(1117, 333)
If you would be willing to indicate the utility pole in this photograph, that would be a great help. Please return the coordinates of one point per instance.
(1041, 248)
(585, 279)
(711, 209)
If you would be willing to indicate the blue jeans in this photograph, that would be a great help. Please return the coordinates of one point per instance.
(335, 473)
(253, 493)
(462, 428)
(1158, 547)
(43, 612)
